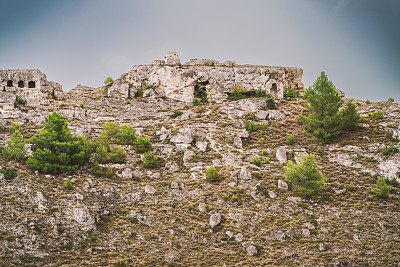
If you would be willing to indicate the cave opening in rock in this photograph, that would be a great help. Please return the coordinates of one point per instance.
(10, 83)
(274, 90)
(31, 84)
(200, 91)
(21, 84)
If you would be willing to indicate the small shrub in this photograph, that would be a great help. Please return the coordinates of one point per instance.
(318, 150)
(101, 154)
(267, 160)
(260, 141)
(212, 174)
(382, 189)
(9, 173)
(128, 102)
(149, 160)
(67, 184)
(15, 148)
(190, 207)
(19, 102)
(378, 114)
(351, 187)
(392, 182)
(142, 144)
(367, 102)
(14, 127)
(96, 170)
(230, 141)
(264, 126)
(385, 151)
(302, 204)
(393, 149)
(223, 124)
(176, 114)
(256, 161)
(249, 125)
(109, 173)
(243, 156)
(233, 198)
(343, 142)
(374, 132)
(108, 80)
(81, 105)
(117, 155)
(289, 139)
(350, 117)
(125, 135)
(390, 100)
(306, 177)
(270, 103)
(251, 116)
(264, 152)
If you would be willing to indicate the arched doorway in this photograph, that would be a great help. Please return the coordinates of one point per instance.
(21, 84)
(274, 90)
(31, 84)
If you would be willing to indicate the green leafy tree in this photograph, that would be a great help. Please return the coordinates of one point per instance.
(108, 80)
(305, 177)
(323, 121)
(56, 150)
(125, 135)
(14, 127)
(15, 148)
(117, 155)
(350, 117)
(142, 144)
(96, 170)
(382, 189)
(212, 174)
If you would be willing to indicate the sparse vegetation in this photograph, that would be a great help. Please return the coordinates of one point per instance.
(67, 184)
(289, 139)
(15, 148)
(382, 189)
(212, 174)
(306, 177)
(256, 161)
(108, 80)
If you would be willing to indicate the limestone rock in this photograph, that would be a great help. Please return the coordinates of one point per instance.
(282, 185)
(298, 153)
(202, 207)
(172, 166)
(275, 115)
(188, 156)
(237, 141)
(202, 146)
(149, 189)
(185, 136)
(251, 250)
(281, 154)
(171, 58)
(215, 219)
(245, 174)
(127, 173)
(174, 185)
(239, 237)
(272, 194)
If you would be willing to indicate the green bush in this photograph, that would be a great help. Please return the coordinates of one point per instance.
(270, 103)
(351, 187)
(101, 154)
(190, 207)
(382, 189)
(306, 177)
(325, 102)
(264, 152)
(176, 114)
(250, 126)
(109, 173)
(108, 80)
(385, 151)
(56, 150)
(117, 155)
(393, 149)
(289, 139)
(14, 127)
(15, 148)
(233, 198)
(256, 161)
(378, 115)
(19, 102)
(212, 174)
(149, 160)
(96, 170)
(350, 117)
(390, 100)
(67, 184)
(125, 135)
(142, 144)
(267, 160)
(367, 102)
(9, 173)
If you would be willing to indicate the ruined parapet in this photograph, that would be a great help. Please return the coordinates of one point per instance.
(183, 82)
(171, 58)
(29, 84)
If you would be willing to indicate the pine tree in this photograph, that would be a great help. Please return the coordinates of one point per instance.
(56, 150)
(323, 121)
(15, 148)
(349, 117)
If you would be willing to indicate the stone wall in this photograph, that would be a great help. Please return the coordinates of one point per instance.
(29, 84)
(180, 82)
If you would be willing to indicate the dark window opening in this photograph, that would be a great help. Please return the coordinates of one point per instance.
(274, 90)
(31, 84)
(21, 84)
(9, 83)
(200, 92)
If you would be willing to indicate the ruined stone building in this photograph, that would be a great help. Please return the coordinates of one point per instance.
(181, 81)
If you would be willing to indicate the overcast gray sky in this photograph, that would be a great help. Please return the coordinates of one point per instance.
(356, 42)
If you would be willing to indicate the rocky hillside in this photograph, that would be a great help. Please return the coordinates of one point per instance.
(172, 216)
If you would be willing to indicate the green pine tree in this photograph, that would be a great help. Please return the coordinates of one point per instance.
(15, 148)
(350, 117)
(323, 121)
(56, 150)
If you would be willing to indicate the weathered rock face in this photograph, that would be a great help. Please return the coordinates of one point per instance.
(28, 84)
(183, 82)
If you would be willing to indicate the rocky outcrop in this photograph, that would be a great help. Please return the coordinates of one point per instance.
(184, 82)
